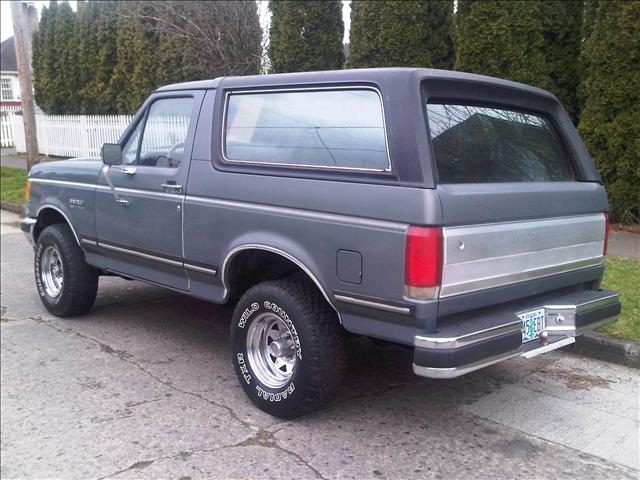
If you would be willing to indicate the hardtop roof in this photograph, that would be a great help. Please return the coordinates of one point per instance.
(377, 75)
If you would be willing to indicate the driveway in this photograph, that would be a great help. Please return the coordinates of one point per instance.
(143, 387)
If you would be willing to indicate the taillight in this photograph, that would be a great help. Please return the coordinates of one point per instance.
(27, 190)
(423, 262)
(606, 233)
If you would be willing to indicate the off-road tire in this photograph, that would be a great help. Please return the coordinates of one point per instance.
(80, 280)
(319, 345)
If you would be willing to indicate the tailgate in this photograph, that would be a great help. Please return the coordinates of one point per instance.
(485, 256)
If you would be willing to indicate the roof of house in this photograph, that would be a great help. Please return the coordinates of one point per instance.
(8, 61)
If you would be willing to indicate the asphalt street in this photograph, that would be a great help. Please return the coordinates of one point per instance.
(143, 387)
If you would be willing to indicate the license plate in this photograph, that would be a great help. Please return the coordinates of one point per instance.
(532, 324)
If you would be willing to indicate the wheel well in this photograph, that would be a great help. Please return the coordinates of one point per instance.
(46, 217)
(252, 266)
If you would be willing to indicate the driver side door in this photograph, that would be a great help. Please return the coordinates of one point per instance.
(139, 204)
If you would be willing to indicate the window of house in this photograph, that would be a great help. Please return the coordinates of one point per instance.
(6, 89)
(341, 129)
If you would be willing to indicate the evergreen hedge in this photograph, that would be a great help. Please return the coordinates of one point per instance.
(401, 34)
(610, 120)
(108, 56)
(305, 35)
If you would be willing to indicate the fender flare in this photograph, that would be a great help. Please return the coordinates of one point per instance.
(258, 246)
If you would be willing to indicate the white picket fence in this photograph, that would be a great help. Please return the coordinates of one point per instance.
(71, 135)
(6, 129)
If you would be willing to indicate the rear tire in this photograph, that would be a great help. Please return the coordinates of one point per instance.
(67, 285)
(288, 347)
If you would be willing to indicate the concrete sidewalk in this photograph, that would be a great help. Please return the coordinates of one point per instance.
(9, 158)
(623, 244)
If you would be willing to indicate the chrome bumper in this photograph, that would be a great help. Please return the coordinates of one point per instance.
(450, 356)
(27, 225)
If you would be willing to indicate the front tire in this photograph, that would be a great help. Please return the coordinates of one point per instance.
(67, 285)
(288, 347)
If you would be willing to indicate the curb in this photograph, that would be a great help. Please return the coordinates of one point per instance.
(12, 207)
(603, 347)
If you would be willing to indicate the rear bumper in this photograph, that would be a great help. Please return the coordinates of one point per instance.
(463, 345)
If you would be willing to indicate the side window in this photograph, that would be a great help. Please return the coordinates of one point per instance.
(130, 150)
(341, 129)
(164, 134)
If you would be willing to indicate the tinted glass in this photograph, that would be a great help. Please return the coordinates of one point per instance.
(483, 145)
(165, 132)
(340, 129)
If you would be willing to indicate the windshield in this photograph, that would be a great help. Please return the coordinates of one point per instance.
(476, 144)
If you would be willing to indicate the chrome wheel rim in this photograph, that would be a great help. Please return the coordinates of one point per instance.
(271, 350)
(51, 271)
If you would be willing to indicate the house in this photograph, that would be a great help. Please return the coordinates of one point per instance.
(9, 84)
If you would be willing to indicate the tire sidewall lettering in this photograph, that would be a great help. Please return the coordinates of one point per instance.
(242, 363)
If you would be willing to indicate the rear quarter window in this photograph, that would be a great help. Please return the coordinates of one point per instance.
(477, 144)
(333, 129)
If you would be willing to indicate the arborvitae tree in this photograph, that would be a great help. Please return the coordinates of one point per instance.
(109, 56)
(87, 46)
(502, 38)
(39, 58)
(134, 74)
(610, 121)
(409, 33)
(105, 30)
(305, 36)
(562, 30)
(44, 59)
(64, 85)
(589, 17)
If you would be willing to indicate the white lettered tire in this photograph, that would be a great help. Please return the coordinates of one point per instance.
(66, 284)
(288, 347)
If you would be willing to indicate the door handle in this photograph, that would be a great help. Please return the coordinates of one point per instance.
(123, 202)
(170, 187)
(128, 170)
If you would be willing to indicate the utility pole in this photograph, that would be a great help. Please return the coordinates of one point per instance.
(21, 15)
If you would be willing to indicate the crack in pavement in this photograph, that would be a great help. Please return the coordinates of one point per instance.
(262, 437)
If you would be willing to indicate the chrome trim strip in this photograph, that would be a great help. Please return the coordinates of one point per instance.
(241, 91)
(310, 214)
(136, 191)
(549, 347)
(595, 325)
(592, 305)
(196, 268)
(86, 241)
(453, 372)
(48, 205)
(438, 343)
(477, 257)
(166, 261)
(450, 290)
(62, 182)
(370, 304)
(257, 246)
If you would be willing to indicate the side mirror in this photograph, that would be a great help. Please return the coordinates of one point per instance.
(111, 154)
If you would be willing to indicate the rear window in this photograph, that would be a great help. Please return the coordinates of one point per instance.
(475, 144)
(340, 129)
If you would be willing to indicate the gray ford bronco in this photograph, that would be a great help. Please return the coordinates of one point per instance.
(455, 214)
